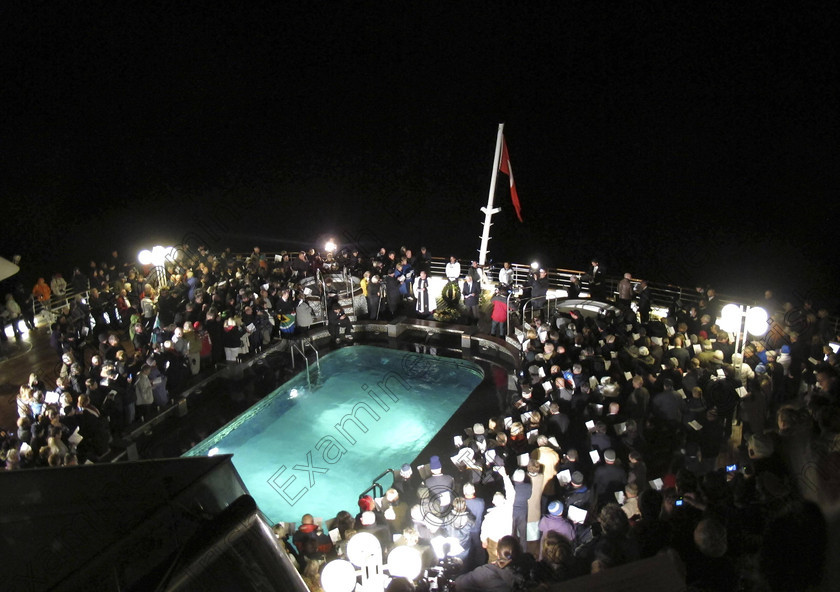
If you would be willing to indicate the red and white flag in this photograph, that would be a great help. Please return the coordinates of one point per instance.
(504, 166)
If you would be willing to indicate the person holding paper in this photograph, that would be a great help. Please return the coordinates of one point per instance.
(613, 546)
(310, 540)
(600, 440)
(498, 521)
(578, 494)
(518, 442)
(525, 402)
(471, 291)
(554, 520)
(723, 396)
(557, 424)
(441, 487)
(459, 525)
(424, 304)
(608, 478)
(723, 345)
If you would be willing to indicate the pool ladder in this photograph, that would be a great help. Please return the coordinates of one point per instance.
(300, 347)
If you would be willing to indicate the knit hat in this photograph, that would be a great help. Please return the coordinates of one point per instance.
(405, 471)
(761, 369)
(644, 352)
(577, 478)
(555, 508)
(785, 349)
(434, 463)
(519, 475)
(366, 503)
(609, 455)
(478, 429)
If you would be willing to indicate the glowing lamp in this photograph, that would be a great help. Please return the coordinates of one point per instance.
(145, 257)
(361, 547)
(730, 318)
(330, 247)
(405, 562)
(338, 576)
(757, 321)
(213, 451)
(535, 265)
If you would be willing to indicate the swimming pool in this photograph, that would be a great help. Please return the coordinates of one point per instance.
(313, 448)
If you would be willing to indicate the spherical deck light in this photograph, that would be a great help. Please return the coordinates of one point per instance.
(405, 562)
(362, 546)
(730, 318)
(757, 321)
(338, 576)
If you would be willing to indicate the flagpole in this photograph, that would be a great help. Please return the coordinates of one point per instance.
(489, 210)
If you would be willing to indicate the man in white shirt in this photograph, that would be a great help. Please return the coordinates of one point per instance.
(453, 269)
(506, 275)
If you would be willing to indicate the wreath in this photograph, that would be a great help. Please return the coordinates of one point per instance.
(451, 294)
(448, 305)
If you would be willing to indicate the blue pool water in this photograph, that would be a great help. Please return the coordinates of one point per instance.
(313, 449)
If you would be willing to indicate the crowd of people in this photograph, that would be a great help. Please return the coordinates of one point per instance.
(627, 435)
(623, 441)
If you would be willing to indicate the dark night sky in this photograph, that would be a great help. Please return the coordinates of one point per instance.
(688, 142)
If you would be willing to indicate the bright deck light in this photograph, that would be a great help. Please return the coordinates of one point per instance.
(757, 321)
(338, 576)
(405, 562)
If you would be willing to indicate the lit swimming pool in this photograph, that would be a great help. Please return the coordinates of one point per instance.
(313, 449)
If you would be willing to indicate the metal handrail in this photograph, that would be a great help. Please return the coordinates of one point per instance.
(300, 347)
(507, 324)
(662, 294)
(376, 485)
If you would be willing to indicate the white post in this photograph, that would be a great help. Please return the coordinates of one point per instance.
(489, 210)
(741, 342)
